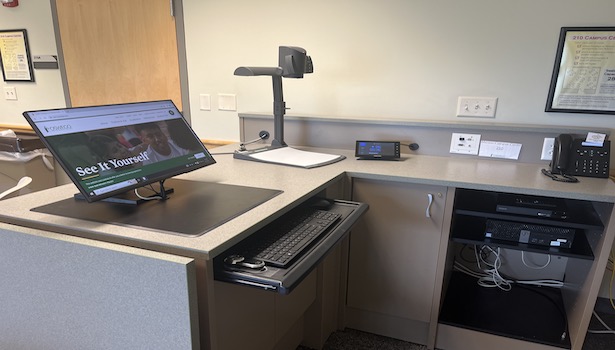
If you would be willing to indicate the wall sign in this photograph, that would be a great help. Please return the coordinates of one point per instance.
(15, 56)
(583, 78)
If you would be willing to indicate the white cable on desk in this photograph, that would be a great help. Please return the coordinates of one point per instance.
(140, 196)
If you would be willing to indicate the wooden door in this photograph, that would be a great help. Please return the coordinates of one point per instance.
(119, 51)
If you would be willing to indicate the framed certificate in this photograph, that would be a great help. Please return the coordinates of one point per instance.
(15, 55)
(583, 79)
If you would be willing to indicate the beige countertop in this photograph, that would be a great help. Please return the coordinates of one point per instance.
(299, 184)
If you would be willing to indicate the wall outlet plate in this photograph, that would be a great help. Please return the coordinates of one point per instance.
(227, 102)
(547, 148)
(479, 107)
(465, 143)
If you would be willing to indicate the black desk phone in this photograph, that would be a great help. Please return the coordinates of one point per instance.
(572, 157)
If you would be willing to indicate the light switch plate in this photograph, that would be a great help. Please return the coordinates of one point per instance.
(465, 143)
(10, 93)
(478, 107)
(205, 102)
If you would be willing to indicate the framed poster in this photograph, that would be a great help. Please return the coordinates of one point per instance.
(15, 55)
(583, 79)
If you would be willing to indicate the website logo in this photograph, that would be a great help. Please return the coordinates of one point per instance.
(57, 128)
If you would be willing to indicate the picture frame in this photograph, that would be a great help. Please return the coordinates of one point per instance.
(583, 79)
(15, 60)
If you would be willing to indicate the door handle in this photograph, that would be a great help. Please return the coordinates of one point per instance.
(430, 202)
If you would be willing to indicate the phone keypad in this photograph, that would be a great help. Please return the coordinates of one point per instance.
(592, 162)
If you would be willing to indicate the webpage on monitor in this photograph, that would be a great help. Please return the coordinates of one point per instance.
(109, 148)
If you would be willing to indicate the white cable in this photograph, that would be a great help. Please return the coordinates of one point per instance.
(535, 267)
(608, 330)
(146, 198)
(490, 277)
(602, 322)
(542, 283)
(493, 279)
(467, 271)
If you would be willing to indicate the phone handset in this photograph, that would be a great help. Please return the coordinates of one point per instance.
(562, 149)
(561, 153)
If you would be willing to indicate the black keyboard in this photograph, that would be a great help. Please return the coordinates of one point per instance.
(285, 240)
(529, 233)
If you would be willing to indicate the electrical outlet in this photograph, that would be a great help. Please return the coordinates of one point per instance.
(227, 102)
(547, 148)
(480, 107)
(465, 143)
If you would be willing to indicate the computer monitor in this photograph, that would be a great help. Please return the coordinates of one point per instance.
(111, 149)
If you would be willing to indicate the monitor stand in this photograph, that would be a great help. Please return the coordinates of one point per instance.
(131, 198)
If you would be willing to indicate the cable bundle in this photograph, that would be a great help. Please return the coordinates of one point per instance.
(488, 273)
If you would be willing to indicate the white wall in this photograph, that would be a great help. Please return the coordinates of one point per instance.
(401, 59)
(46, 91)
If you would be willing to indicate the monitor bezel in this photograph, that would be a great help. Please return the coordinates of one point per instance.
(90, 198)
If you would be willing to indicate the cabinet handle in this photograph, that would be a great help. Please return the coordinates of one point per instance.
(430, 199)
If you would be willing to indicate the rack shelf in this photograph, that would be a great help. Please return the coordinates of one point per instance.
(526, 313)
(533, 314)
(472, 208)
(566, 212)
(469, 229)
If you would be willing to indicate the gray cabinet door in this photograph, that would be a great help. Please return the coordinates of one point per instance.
(394, 252)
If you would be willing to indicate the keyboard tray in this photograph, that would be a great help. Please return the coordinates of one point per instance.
(283, 280)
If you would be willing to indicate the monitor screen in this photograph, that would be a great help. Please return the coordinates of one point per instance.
(108, 150)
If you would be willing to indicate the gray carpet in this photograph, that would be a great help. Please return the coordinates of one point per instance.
(351, 339)
(601, 341)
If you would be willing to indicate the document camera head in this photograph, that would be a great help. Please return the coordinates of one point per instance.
(294, 62)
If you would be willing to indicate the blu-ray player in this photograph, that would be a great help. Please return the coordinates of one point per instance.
(554, 208)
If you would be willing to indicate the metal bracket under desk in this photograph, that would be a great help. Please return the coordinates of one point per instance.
(285, 280)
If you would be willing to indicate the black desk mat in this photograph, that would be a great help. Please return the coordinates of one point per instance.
(194, 208)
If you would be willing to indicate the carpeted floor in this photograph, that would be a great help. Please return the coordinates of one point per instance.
(350, 339)
(595, 341)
